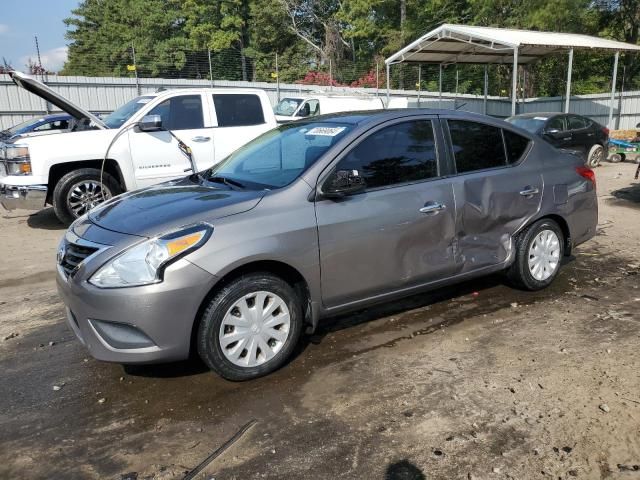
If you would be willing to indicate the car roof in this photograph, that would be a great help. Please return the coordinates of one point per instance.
(538, 114)
(54, 116)
(362, 117)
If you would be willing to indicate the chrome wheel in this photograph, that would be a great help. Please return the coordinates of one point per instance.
(85, 195)
(597, 155)
(254, 329)
(544, 255)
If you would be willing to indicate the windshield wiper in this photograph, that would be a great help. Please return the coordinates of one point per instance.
(227, 181)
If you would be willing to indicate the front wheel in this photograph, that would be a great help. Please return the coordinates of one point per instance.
(596, 155)
(539, 252)
(250, 327)
(80, 190)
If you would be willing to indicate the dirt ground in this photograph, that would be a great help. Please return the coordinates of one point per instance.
(474, 382)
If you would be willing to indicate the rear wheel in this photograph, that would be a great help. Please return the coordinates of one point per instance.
(596, 155)
(79, 191)
(616, 158)
(539, 251)
(250, 327)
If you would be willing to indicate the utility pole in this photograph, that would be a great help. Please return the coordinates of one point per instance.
(277, 79)
(330, 75)
(47, 107)
(135, 67)
(419, 82)
(210, 67)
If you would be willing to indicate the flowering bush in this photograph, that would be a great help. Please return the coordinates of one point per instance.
(314, 77)
(368, 80)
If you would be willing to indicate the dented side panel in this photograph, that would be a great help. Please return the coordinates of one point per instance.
(492, 210)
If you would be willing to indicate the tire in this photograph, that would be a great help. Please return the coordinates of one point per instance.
(616, 158)
(68, 204)
(225, 355)
(521, 274)
(595, 156)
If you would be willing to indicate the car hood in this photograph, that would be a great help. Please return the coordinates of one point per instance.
(155, 210)
(38, 88)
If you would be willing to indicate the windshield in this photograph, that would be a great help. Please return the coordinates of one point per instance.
(125, 112)
(22, 126)
(278, 157)
(530, 124)
(287, 106)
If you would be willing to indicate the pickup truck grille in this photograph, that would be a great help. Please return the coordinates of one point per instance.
(73, 256)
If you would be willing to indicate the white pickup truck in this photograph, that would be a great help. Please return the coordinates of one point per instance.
(64, 169)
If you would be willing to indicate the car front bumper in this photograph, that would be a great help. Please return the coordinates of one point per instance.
(146, 324)
(26, 197)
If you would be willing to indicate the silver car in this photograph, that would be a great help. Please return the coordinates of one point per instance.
(313, 219)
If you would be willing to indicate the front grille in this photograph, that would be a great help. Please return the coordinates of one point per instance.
(74, 255)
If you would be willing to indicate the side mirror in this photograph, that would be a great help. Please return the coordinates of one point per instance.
(343, 183)
(150, 123)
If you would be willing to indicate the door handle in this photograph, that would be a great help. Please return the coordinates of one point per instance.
(529, 191)
(200, 139)
(566, 138)
(432, 208)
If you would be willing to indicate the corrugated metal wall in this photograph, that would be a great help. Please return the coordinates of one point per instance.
(104, 94)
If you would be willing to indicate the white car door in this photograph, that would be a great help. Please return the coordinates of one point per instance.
(239, 118)
(156, 156)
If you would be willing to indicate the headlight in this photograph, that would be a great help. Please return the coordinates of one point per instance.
(17, 152)
(17, 160)
(144, 263)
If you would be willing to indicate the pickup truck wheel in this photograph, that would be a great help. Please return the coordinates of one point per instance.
(250, 327)
(81, 190)
(615, 158)
(539, 250)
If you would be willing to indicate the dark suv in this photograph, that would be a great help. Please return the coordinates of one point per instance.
(569, 132)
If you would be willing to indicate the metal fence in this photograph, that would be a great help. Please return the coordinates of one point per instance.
(104, 94)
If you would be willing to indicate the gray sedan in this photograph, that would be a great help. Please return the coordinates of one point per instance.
(313, 219)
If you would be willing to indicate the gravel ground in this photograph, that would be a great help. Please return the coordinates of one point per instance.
(473, 382)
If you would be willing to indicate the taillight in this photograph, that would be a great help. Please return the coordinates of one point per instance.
(605, 130)
(586, 172)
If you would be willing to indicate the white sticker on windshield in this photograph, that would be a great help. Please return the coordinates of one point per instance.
(539, 118)
(326, 131)
(144, 100)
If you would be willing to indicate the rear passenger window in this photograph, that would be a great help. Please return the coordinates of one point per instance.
(516, 146)
(476, 146)
(237, 110)
(577, 123)
(401, 153)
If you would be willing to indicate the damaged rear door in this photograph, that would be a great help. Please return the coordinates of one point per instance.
(497, 191)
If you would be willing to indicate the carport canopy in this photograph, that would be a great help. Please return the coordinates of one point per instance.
(451, 44)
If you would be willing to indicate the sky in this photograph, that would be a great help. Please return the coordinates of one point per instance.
(21, 20)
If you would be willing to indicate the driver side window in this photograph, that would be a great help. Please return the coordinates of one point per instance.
(401, 153)
(180, 113)
(556, 123)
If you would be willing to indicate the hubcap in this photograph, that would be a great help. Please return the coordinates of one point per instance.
(544, 255)
(255, 329)
(85, 195)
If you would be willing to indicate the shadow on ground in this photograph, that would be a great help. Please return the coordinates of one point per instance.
(631, 194)
(403, 470)
(45, 220)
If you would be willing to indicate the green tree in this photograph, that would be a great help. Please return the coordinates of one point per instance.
(103, 34)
